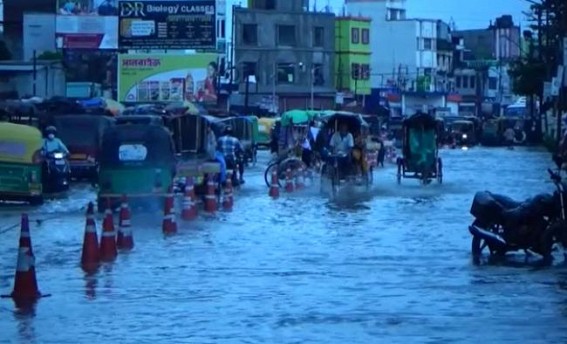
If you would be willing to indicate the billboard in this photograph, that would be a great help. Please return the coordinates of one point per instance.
(86, 32)
(167, 78)
(87, 7)
(167, 24)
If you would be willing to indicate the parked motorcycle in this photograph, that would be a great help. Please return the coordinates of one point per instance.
(57, 172)
(504, 225)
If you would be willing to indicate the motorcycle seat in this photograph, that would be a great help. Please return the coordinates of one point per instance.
(540, 205)
(488, 205)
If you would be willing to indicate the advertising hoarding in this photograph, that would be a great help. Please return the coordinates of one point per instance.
(87, 7)
(86, 32)
(167, 78)
(167, 24)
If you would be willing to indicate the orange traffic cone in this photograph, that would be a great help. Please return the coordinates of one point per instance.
(124, 240)
(189, 211)
(227, 201)
(169, 226)
(90, 258)
(108, 250)
(25, 290)
(288, 181)
(210, 197)
(274, 185)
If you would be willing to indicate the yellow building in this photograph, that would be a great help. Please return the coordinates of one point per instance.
(353, 54)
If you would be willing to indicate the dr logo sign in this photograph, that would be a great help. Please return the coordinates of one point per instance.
(132, 9)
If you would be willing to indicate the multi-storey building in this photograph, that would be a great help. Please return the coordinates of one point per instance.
(353, 55)
(284, 53)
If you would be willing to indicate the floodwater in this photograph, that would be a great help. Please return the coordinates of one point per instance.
(389, 266)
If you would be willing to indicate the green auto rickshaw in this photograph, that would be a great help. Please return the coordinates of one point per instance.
(20, 163)
(137, 160)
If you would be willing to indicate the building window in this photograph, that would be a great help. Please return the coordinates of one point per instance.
(427, 44)
(221, 27)
(458, 81)
(248, 69)
(270, 4)
(318, 36)
(492, 83)
(354, 35)
(286, 35)
(286, 73)
(473, 82)
(355, 71)
(365, 72)
(365, 33)
(249, 34)
(465, 81)
(318, 79)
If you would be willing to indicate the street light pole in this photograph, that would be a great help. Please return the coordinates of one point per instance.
(312, 88)
(274, 72)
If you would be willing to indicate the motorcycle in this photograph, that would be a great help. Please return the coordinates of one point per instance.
(504, 225)
(58, 172)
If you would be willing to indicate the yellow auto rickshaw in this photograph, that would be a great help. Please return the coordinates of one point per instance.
(20, 163)
(265, 125)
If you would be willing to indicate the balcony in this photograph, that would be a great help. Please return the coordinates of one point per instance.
(444, 45)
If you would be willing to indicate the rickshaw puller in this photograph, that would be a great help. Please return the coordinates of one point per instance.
(342, 143)
(232, 150)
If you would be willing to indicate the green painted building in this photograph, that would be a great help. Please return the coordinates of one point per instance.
(353, 54)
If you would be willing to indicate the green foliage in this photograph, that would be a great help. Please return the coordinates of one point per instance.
(50, 56)
(527, 76)
(5, 53)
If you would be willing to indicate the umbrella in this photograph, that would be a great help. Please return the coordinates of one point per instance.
(296, 117)
(113, 106)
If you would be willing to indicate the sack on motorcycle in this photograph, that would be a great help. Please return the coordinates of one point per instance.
(484, 206)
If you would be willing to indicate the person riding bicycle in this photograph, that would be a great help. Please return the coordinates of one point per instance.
(342, 143)
(52, 143)
(231, 148)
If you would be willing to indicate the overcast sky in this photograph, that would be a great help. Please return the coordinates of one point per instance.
(466, 14)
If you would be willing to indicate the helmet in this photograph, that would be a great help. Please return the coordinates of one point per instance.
(228, 130)
(51, 130)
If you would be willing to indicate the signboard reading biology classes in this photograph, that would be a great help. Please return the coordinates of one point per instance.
(167, 24)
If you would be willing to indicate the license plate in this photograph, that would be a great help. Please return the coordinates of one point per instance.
(59, 162)
(78, 156)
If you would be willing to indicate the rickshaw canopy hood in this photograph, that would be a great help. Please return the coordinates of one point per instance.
(19, 143)
(156, 140)
(421, 119)
(297, 117)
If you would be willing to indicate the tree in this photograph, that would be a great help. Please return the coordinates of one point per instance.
(50, 56)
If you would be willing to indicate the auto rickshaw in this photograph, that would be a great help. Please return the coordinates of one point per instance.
(82, 134)
(136, 160)
(265, 125)
(20, 163)
(463, 133)
(420, 158)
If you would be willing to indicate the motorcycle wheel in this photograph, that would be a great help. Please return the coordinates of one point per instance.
(478, 245)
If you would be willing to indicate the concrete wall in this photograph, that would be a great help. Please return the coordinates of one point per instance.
(50, 81)
(266, 54)
(39, 34)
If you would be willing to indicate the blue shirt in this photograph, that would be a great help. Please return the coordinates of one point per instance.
(228, 146)
(50, 146)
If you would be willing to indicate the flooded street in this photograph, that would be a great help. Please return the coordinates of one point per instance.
(391, 266)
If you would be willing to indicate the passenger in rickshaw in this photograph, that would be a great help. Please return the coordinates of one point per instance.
(231, 149)
(214, 155)
(342, 144)
(309, 143)
(358, 152)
